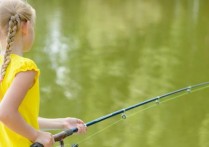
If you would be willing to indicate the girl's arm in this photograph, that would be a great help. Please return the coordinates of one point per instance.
(10, 103)
(62, 123)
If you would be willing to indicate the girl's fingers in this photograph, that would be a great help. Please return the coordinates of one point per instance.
(80, 121)
(82, 129)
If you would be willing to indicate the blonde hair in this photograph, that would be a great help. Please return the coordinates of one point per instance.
(12, 13)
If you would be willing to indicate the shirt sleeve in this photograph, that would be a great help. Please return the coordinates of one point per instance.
(27, 65)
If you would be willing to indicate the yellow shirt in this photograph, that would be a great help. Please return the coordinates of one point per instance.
(29, 108)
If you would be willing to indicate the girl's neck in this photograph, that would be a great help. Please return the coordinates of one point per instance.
(16, 48)
(20, 53)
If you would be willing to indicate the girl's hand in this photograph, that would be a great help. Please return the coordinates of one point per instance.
(70, 123)
(45, 138)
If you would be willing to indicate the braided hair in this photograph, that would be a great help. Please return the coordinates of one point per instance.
(12, 13)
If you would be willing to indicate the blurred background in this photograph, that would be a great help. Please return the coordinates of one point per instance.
(99, 56)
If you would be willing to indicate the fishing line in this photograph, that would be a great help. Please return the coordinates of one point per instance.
(157, 102)
(172, 98)
(109, 126)
(167, 96)
(118, 121)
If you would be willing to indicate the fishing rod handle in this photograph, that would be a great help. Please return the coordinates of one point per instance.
(62, 135)
(58, 137)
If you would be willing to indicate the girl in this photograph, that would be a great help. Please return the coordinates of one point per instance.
(19, 84)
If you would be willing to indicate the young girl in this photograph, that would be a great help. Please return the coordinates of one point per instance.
(19, 85)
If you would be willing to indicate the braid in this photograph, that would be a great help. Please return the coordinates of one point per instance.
(14, 24)
(12, 13)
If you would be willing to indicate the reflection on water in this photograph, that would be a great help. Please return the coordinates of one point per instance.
(57, 49)
(100, 56)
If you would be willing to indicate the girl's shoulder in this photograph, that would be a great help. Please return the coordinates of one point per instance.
(20, 64)
(21, 60)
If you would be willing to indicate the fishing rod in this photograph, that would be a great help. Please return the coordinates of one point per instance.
(59, 137)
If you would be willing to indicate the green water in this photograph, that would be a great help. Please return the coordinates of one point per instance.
(98, 56)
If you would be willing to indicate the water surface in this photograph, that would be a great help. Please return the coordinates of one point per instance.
(98, 56)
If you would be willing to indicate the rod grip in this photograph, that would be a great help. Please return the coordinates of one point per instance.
(58, 137)
(62, 135)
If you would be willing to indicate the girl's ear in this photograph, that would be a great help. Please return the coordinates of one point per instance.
(25, 27)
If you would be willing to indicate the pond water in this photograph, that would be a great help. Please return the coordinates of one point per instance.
(99, 56)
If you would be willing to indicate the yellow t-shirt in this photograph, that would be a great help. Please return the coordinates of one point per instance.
(29, 108)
